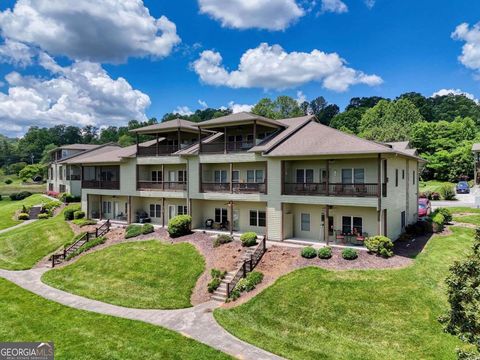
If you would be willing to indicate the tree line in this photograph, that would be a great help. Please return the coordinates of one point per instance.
(442, 128)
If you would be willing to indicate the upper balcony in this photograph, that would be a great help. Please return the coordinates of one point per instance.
(161, 178)
(239, 133)
(101, 177)
(238, 178)
(341, 177)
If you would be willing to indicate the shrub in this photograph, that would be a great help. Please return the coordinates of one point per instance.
(20, 195)
(79, 214)
(1, 197)
(249, 282)
(213, 285)
(84, 222)
(447, 192)
(248, 239)
(23, 216)
(447, 214)
(68, 198)
(325, 252)
(147, 229)
(380, 245)
(215, 273)
(309, 252)
(438, 221)
(68, 213)
(43, 216)
(255, 277)
(50, 206)
(179, 225)
(426, 195)
(87, 246)
(133, 231)
(234, 295)
(8, 181)
(54, 194)
(349, 254)
(222, 239)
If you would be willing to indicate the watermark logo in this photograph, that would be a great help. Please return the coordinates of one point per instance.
(26, 351)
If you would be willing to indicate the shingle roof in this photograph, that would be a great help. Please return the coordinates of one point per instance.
(193, 149)
(76, 147)
(87, 156)
(167, 126)
(317, 139)
(399, 145)
(240, 117)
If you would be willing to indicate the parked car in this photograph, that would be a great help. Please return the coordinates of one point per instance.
(424, 208)
(463, 188)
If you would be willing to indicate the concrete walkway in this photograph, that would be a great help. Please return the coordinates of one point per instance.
(196, 322)
(26, 222)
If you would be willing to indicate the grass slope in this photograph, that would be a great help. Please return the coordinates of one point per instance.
(17, 185)
(432, 185)
(377, 314)
(469, 219)
(84, 335)
(146, 274)
(22, 248)
(8, 209)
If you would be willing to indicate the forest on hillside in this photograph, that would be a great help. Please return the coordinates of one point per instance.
(442, 128)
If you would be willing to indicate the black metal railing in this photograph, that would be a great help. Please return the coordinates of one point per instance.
(332, 189)
(215, 187)
(161, 186)
(229, 147)
(249, 188)
(101, 184)
(156, 151)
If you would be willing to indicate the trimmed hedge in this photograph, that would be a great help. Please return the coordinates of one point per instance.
(133, 231)
(179, 225)
(147, 229)
(380, 245)
(246, 284)
(222, 239)
(79, 214)
(68, 213)
(43, 216)
(69, 198)
(8, 181)
(309, 252)
(248, 239)
(349, 254)
(84, 222)
(325, 252)
(20, 195)
(23, 216)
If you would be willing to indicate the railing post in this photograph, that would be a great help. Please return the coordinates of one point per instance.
(244, 269)
(53, 261)
(96, 232)
(64, 253)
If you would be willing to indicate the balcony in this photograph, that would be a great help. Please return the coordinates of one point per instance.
(100, 184)
(235, 188)
(161, 186)
(332, 189)
(229, 147)
(157, 150)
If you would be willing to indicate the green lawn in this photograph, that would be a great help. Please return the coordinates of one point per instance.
(84, 335)
(460, 210)
(17, 186)
(469, 219)
(8, 209)
(146, 274)
(313, 313)
(22, 248)
(432, 185)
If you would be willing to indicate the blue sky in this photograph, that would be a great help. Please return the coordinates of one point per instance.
(401, 45)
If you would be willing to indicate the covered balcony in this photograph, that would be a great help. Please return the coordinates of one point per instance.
(238, 178)
(340, 177)
(101, 177)
(73, 172)
(162, 177)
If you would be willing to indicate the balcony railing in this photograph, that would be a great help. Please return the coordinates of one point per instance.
(229, 147)
(162, 186)
(237, 188)
(74, 177)
(100, 184)
(333, 189)
(152, 150)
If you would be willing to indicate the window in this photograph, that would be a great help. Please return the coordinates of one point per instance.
(155, 210)
(62, 188)
(182, 210)
(258, 218)
(352, 225)
(305, 222)
(254, 176)
(413, 178)
(107, 207)
(157, 176)
(403, 174)
(220, 215)
(182, 176)
(396, 177)
(235, 176)
(323, 176)
(60, 172)
(220, 176)
(235, 138)
(50, 187)
(304, 176)
(403, 219)
(353, 176)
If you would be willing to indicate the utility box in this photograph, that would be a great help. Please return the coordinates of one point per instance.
(477, 202)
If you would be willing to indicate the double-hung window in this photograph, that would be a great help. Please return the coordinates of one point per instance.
(155, 210)
(220, 176)
(352, 225)
(157, 176)
(235, 176)
(182, 210)
(305, 222)
(304, 176)
(182, 176)
(220, 215)
(255, 176)
(258, 218)
(353, 176)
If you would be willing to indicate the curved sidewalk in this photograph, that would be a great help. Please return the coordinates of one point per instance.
(26, 222)
(196, 322)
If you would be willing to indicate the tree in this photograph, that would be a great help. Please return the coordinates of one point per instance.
(30, 171)
(46, 153)
(449, 107)
(109, 134)
(126, 140)
(463, 290)
(389, 121)
(349, 119)
(282, 107)
(422, 103)
(364, 102)
(89, 134)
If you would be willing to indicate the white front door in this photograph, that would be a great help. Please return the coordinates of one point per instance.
(172, 176)
(236, 219)
(171, 211)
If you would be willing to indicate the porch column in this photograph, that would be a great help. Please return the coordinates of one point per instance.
(231, 177)
(179, 138)
(254, 132)
(379, 222)
(129, 215)
(200, 175)
(101, 207)
(326, 225)
(88, 207)
(158, 144)
(231, 217)
(163, 177)
(327, 182)
(136, 176)
(379, 193)
(163, 212)
(225, 140)
(265, 180)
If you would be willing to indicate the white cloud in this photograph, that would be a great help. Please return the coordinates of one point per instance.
(335, 6)
(471, 49)
(236, 108)
(203, 104)
(271, 67)
(370, 3)
(301, 98)
(261, 14)
(183, 110)
(104, 31)
(80, 94)
(16, 53)
(444, 92)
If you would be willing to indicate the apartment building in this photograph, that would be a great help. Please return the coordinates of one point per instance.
(288, 179)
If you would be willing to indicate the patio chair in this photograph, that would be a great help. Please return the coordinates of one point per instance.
(209, 223)
(360, 239)
(339, 237)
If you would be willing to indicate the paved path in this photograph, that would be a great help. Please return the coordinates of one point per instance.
(26, 222)
(196, 322)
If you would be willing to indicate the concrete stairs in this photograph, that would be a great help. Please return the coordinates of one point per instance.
(221, 293)
(34, 211)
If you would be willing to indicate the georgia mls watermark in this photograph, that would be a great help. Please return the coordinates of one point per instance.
(26, 351)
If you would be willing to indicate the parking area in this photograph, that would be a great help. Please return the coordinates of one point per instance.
(467, 200)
